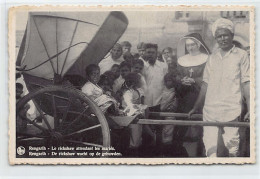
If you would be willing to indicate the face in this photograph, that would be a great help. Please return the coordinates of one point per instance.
(169, 83)
(224, 39)
(116, 71)
(192, 47)
(151, 55)
(124, 71)
(167, 53)
(19, 91)
(169, 60)
(126, 49)
(137, 68)
(94, 76)
(106, 83)
(141, 52)
(116, 52)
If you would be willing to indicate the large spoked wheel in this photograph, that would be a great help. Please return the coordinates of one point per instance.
(60, 116)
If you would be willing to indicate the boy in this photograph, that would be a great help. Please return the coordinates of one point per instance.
(126, 46)
(125, 69)
(137, 67)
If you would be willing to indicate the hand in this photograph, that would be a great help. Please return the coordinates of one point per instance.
(247, 117)
(187, 81)
(193, 111)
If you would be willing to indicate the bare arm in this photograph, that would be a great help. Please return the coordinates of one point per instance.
(246, 90)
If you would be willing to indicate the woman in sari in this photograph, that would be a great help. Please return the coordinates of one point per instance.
(190, 68)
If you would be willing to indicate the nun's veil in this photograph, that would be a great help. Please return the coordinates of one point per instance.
(181, 49)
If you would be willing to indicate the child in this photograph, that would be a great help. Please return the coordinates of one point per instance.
(125, 68)
(95, 92)
(128, 57)
(137, 67)
(106, 82)
(115, 69)
(132, 106)
(169, 103)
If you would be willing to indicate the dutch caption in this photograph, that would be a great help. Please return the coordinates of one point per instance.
(63, 151)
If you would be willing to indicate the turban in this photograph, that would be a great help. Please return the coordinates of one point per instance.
(222, 23)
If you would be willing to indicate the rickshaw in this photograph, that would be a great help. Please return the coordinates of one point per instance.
(60, 44)
(56, 44)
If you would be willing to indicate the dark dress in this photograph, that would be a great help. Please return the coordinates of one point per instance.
(189, 94)
(190, 137)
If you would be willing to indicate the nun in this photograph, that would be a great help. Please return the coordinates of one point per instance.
(193, 55)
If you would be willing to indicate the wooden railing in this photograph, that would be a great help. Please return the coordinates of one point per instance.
(169, 119)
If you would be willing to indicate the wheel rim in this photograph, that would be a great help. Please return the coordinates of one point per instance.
(65, 117)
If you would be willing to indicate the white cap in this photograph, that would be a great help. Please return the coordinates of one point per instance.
(222, 23)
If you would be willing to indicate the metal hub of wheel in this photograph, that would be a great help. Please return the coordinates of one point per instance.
(56, 138)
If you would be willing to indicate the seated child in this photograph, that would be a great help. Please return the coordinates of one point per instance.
(95, 92)
(131, 103)
(169, 103)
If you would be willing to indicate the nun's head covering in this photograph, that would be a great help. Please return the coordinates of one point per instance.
(222, 24)
(195, 37)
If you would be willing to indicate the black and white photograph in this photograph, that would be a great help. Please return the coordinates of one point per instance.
(132, 85)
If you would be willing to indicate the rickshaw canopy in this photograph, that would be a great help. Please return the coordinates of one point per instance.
(66, 42)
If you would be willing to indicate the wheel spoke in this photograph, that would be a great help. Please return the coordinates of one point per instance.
(43, 116)
(56, 120)
(76, 120)
(83, 130)
(39, 135)
(83, 115)
(31, 139)
(35, 120)
(84, 143)
(33, 123)
(66, 113)
(57, 96)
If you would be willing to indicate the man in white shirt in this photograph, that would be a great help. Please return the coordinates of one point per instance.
(154, 72)
(114, 58)
(226, 75)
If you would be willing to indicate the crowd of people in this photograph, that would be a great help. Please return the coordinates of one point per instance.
(127, 84)
(215, 84)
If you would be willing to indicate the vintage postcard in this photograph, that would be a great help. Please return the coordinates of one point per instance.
(132, 85)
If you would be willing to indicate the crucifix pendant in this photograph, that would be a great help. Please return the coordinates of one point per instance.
(191, 72)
